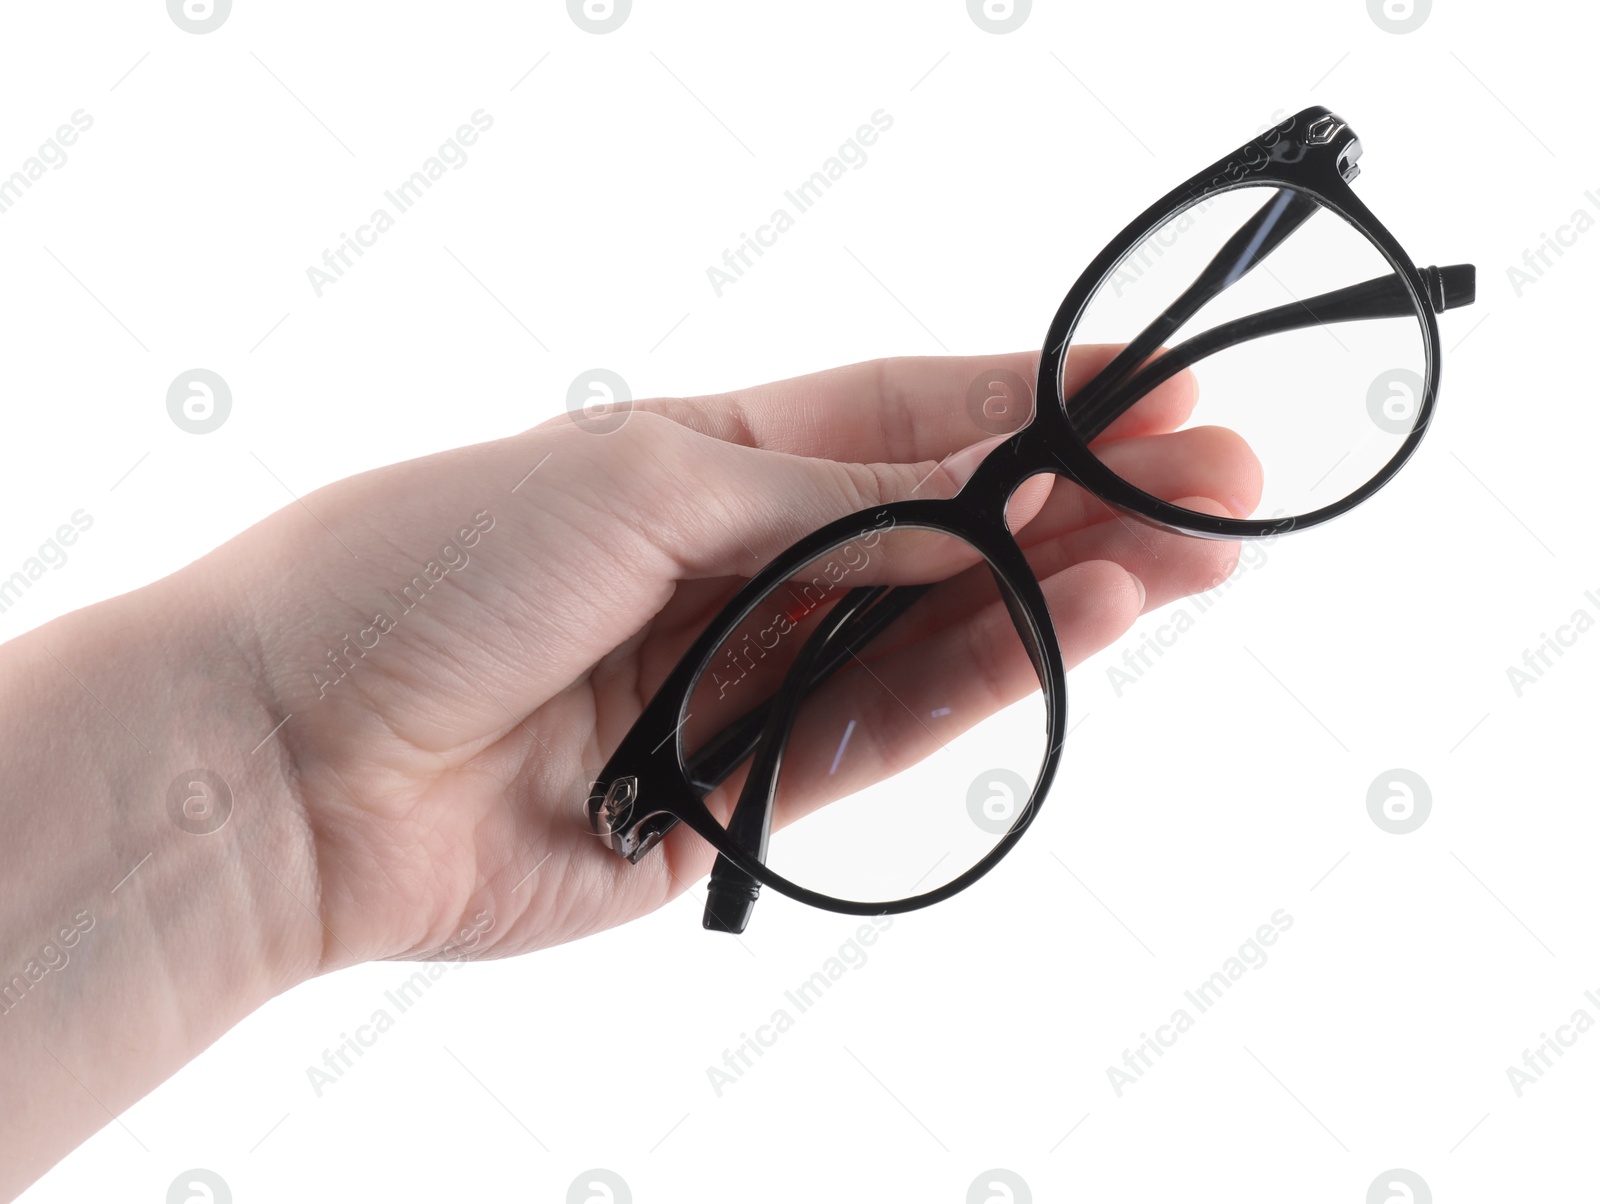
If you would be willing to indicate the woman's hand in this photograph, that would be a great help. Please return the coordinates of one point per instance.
(442, 770)
(365, 728)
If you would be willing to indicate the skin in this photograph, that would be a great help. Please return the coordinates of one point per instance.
(427, 802)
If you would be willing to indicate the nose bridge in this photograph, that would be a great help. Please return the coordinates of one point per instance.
(1012, 462)
(985, 492)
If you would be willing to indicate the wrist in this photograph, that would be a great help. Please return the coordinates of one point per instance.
(142, 912)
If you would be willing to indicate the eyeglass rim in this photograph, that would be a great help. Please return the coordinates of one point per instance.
(1312, 152)
(659, 766)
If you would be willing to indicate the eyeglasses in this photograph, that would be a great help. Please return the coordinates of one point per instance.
(897, 677)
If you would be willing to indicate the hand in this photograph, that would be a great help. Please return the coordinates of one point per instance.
(408, 680)
(443, 769)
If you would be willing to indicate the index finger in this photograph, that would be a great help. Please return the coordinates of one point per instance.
(909, 409)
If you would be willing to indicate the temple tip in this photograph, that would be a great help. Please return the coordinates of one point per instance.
(729, 906)
(1458, 285)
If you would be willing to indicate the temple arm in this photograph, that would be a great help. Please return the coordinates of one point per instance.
(1280, 217)
(1380, 297)
(731, 893)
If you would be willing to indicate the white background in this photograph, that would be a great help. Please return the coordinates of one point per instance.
(1229, 782)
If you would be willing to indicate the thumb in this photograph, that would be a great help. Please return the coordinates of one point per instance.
(735, 508)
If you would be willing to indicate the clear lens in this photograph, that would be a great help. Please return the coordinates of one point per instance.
(1324, 403)
(912, 759)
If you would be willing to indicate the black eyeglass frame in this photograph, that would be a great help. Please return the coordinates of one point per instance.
(647, 786)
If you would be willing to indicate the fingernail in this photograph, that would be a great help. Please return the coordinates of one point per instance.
(962, 464)
(1142, 594)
